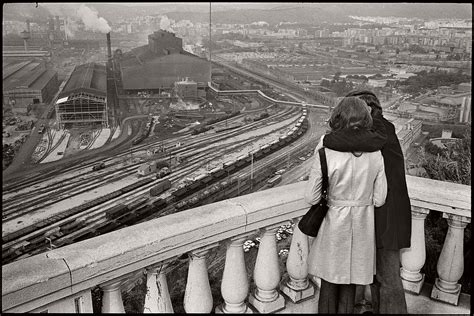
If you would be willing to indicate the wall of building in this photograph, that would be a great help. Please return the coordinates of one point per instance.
(164, 43)
(186, 89)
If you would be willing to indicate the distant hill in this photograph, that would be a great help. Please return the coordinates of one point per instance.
(273, 13)
(315, 13)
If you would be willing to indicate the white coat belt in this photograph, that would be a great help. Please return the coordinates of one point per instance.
(350, 202)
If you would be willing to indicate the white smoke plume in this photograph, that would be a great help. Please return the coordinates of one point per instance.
(165, 24)
(92, 21)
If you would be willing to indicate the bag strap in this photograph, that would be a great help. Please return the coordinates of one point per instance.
(324, 170)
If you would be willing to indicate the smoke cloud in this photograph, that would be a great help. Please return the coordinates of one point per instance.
(92, 21)
(165, 23)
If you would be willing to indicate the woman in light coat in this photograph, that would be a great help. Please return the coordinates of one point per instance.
(343, 252)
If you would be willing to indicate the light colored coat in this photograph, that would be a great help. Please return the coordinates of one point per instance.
(343, 252)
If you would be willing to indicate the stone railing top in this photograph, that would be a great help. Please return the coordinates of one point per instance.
(35, 281)
(440, 196)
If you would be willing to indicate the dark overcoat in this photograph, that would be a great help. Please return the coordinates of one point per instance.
(393, 219)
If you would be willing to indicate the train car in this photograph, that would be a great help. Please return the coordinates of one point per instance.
(257, 153)
(135, 185)
(207, 178)
(159, 203)
(160, 187)
(194, 185)
(265, 149)
(241, 160)
(273, 181)
(116, 211)
(229, 166)
(217, 172)
(226, 128)
(181, 192)
(134, 204)
(285, 139)
(275, 144)
(181, 205)
(147, 168)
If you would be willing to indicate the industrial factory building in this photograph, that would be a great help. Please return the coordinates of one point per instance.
(26, 83)
(160, 64)
(83, 99)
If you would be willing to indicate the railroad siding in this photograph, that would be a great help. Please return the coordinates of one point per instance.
(49, 211)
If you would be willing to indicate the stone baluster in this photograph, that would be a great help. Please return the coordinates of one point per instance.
(157, 298)
(451, 261)
(112, 299)
(266, 298)
(413, 258)
(235, 283)
(295, 283)
(197, 296)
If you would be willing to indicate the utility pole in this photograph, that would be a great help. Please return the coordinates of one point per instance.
(210, 34)
(251, 170)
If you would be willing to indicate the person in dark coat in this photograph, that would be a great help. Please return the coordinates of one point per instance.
(393, 219)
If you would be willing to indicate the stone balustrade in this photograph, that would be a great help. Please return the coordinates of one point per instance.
(61, 280)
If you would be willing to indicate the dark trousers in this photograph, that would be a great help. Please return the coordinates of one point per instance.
(336, 298)
(388, 295)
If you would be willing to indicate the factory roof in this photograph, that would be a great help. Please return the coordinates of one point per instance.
(163, 71)
(90, 77)
(29, 74)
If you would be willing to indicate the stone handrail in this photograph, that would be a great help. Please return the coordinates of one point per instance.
(41, 280)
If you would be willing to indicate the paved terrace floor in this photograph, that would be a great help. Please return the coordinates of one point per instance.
(417, 304)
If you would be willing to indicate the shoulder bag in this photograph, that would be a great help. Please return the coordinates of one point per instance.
(312, 220)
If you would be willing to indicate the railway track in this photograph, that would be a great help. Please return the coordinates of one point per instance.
(95, 216)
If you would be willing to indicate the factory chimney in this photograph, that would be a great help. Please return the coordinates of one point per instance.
(25, 36)
(28, 26)
(58, 26)
(109, 47)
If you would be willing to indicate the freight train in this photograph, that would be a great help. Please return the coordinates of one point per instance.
(74, 224)
(203, 181)
(142, 136)
(122, 212)
(205, 126)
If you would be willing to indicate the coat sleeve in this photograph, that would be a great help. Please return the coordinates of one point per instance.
(380, 184)
(313, 188)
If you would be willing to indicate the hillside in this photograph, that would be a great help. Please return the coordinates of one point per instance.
(273, 13)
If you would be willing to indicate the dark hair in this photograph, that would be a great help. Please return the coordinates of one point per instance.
(370, 98)
(351, 112)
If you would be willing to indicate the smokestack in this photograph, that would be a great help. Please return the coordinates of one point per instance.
(109, 47)
(28, 26)
(65, 27)
(51, 24)
(58, 27)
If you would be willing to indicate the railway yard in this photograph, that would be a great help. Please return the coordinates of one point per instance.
(144, 175)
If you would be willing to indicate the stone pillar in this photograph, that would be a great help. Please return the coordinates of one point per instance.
(112, 299)
(266, 298)
(413, 258)
(157, 298)
(451, 261)
(197, 296)
(235, 284)
(295, 283)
